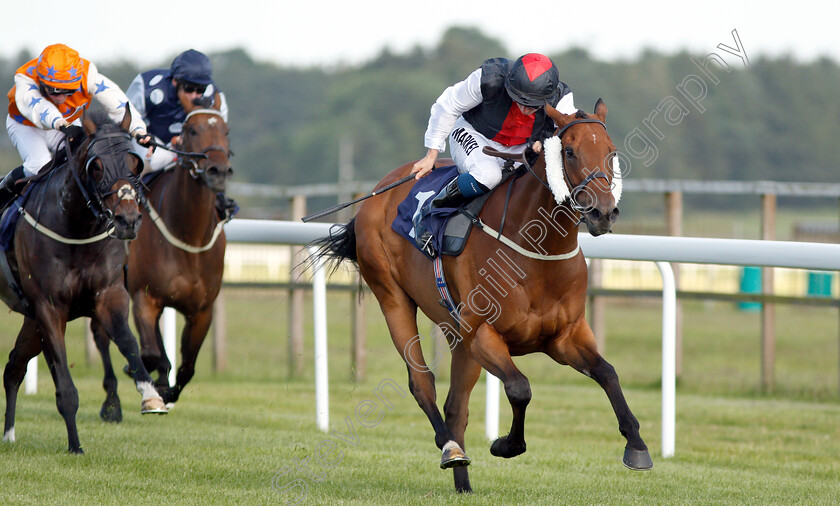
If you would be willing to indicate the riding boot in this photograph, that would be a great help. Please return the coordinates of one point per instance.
(8, 190)
(449, 196)
(225, 207)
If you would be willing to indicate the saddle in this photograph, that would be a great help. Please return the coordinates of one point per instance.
(450, 227)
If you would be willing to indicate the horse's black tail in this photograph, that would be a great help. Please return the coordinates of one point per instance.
(340, 245)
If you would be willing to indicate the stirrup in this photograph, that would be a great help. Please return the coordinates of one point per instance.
(425, 243)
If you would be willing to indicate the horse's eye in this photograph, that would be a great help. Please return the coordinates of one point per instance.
(570, 153)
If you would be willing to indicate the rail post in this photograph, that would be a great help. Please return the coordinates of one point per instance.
(673, 214)
(296, 295)
(768, 310)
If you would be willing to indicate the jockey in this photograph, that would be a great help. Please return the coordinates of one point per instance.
(501, 104)
(157, 95)
(50, 93)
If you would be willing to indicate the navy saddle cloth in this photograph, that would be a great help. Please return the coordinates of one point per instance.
(10, 218)
(449, 227)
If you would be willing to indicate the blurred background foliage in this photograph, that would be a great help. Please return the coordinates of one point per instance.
(776, 119)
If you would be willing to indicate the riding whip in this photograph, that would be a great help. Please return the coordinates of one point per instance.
(339, 207)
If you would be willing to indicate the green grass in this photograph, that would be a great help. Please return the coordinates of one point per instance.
(233, 432)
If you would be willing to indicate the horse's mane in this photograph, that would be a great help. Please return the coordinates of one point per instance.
(101, 119)
(581, 114)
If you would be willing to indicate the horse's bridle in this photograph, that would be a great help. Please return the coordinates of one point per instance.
(110, 149)
(193, 158)
(575, 191)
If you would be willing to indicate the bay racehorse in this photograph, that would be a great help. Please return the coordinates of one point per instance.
(177, 259)
(520, 292)
(67, 261)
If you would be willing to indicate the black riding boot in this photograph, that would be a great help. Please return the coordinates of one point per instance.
(8, 191)
(450, 196)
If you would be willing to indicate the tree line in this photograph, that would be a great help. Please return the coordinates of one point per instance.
(774, 119)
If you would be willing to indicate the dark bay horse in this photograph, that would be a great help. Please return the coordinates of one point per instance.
(177, 259)
(67, 262)
(522, 296)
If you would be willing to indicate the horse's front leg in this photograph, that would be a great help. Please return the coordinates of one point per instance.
(27, 346)
(111, 409)
(112, 314)
(580, 351)
(491, 352)
(147, 311)
(195, 330)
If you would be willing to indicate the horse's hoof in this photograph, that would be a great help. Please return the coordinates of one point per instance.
(169, 394)
(76, 451)
(637, 460)
(153, 406)
(111, 413)
(453, 456)
(502, 447)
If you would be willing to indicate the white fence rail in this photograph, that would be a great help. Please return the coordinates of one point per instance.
(662, 250)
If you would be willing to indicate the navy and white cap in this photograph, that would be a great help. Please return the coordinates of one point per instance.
(192, 66)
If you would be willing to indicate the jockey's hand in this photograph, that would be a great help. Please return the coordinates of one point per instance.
(71, 132)
(145, 140)
(425, 164)
(532, 152)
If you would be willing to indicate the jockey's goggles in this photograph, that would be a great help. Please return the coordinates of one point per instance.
(59, 91)
(193, 88)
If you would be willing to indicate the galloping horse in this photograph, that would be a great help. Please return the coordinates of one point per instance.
(532, 301)
(177, 259)
(67, 262)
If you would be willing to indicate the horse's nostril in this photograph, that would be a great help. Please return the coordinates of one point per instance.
(595, 214)
(614, 215)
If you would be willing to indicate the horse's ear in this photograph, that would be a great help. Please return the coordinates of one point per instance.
(88, 124)
(559, 118)
(601, 110)
(125, 124)
(217, 101)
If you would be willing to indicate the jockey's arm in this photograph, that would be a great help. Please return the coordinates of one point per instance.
(136, 93)
(34, 106)
(452, 103)
(112, 98)
(223, 109)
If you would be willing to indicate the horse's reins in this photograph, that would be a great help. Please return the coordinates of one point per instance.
(573, 195)
(195, 172)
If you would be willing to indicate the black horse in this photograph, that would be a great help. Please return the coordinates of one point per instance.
(67, 261)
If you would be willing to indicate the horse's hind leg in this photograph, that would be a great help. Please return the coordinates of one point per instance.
(490, 351)
(195, 330)
(580, 351)
(401, 316)
(52, 326)
(27, 346)
(111, 410)
(464, 374)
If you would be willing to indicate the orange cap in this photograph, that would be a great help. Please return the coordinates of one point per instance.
(60, 66)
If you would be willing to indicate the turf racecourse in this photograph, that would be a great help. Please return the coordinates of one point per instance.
(248, 435)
